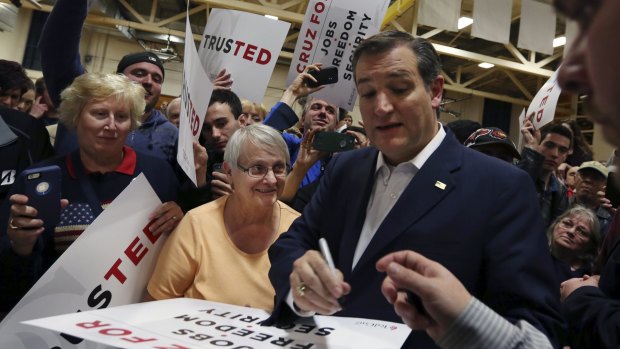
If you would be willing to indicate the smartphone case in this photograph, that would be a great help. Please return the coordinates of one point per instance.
(43, 188)
(325, 76)
(333, 142)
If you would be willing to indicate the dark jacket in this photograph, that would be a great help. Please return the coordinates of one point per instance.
(23, 142)
(553, 201)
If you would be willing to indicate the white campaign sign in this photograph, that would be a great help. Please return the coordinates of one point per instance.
(331, 31)
(191, 323)
(246, 45)
(195, 97)
(542, 109)
(108, 265)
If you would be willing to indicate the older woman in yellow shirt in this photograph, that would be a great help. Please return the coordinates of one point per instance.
(219, 250)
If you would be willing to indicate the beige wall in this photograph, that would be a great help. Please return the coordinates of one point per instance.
(13, 44)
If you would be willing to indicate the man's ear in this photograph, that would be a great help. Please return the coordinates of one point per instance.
(437, 91)
(243, 120)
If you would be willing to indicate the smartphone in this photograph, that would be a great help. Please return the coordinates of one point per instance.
(218, 167)
(325, 76)
(42, 186)
(333, 142)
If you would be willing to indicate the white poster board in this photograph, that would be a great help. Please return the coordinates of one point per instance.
(542, 109)
(195, 98)
(108, 265)
(331, 31)
(247, 45)
(191, 323)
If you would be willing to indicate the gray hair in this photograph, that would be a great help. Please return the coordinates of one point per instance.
(255, 136)
(594, 238)
(100, 86)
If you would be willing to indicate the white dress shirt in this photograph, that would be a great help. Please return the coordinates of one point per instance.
(390, 182)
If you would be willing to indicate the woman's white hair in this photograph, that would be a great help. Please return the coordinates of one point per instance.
(255, 136)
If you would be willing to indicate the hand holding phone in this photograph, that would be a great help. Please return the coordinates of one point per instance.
(325, 76)
(42, 187)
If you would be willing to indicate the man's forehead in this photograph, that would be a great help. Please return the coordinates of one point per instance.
(149, 67)
(217, 111)
(557, 139)
(322, 102)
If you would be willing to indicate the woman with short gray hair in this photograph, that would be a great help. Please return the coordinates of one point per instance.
(219, 250)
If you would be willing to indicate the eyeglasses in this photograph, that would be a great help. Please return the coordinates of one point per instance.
(568, 224)
(260, 171)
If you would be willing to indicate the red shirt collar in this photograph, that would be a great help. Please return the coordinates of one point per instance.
(127, 165)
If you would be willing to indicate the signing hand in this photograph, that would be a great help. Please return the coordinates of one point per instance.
(167, 216)
(24, 228)
(314, 286)
(442, 294)
(570, 285)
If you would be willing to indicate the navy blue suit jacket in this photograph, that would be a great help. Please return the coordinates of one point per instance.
(484, 226)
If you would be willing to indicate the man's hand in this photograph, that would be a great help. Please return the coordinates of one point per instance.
(361, 141)
(531, 136)
(299, 87)
(307, 155)
(444, 297)
(314, 286)
(200, 163)
(605, 202)
(222, 81)
(570, 285)
(24, 228)
(220, 184)
(38, 108)
(167, 216)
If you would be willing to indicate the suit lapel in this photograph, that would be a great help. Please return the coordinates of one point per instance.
(360, 187)
(433, 182)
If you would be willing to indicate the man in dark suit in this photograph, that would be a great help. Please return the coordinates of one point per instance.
(473, 218)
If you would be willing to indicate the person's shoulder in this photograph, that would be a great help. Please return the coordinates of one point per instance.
(147, 159)
(366, 153)
(487, 165)
(209, 209)
(287, 210)
(24, 123)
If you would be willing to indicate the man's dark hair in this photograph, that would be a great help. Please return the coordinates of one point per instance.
(227, 97)
(12, 75)
(429, 64)
(463, 128)
(557, 129)
(39, 87)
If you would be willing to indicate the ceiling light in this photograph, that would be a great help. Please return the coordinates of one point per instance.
(486, 65)
(272, 17)
(464, 22)
(559, 41)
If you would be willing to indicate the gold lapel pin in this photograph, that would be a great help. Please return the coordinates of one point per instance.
(440, 185)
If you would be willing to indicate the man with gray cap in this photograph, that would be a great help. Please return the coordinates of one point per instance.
(60, 59)
(589, 186)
